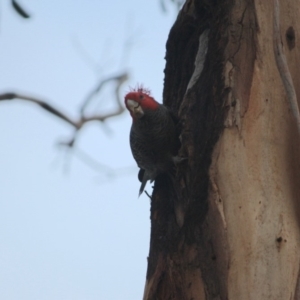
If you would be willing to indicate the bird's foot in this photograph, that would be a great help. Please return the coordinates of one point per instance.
(177, 159)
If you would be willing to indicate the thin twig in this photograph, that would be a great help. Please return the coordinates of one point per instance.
(81, 120)
(283, 66)
(20, 10)
(77, 124)
(148, 195)
(120, 79)
(50, 108)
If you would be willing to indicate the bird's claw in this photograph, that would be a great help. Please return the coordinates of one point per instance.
(178, 159)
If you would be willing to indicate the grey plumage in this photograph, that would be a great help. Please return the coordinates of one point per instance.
(153, 142)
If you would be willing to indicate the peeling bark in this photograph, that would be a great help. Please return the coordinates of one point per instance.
(240, 187)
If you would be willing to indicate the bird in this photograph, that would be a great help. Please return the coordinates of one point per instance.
(153, 135)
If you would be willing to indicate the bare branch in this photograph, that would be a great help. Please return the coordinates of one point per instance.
(283, 66)
(20, 10)
(120, 79)
(120, 108)
(41, 103)
(148, 195)
(82, 120)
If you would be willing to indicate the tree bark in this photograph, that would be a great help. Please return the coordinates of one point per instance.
(233, 230)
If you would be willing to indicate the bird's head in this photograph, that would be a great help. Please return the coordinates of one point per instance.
(139, 101)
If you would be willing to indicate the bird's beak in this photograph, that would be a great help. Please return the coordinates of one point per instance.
(135, 108)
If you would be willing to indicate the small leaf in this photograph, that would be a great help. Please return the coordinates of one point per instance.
(20, 10)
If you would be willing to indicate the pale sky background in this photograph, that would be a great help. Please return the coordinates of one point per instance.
(78, 234)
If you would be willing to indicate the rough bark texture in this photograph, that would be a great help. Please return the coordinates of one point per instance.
(234, 234)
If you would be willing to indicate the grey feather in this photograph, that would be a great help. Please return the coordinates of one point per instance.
(153, 142)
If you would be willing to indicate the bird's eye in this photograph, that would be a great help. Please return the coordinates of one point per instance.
(141, 97)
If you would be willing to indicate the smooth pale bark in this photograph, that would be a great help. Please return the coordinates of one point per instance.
(256, 174)
(235, 232)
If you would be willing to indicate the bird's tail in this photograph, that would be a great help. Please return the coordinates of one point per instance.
(179, 210)
(144, 181)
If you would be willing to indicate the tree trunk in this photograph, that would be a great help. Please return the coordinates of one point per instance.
(234, 231)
